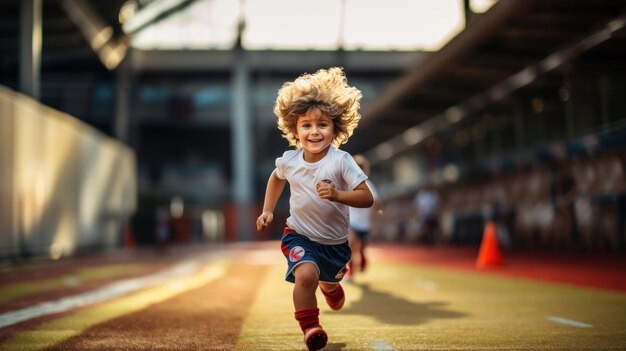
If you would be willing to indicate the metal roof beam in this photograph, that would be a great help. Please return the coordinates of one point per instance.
(153, 12)
(475, 33)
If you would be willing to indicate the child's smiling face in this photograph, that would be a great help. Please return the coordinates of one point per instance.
(315, 132)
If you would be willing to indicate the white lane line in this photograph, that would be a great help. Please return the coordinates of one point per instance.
(570, 322)
(105, 293)
(381, 346)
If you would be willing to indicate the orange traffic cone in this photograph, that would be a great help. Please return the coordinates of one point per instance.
(489, 254)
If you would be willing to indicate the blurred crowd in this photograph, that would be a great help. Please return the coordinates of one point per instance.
(569, 202)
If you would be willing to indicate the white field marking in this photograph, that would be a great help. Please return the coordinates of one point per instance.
(107, 292)
(573, 323)
(381, 345)
(424, 284)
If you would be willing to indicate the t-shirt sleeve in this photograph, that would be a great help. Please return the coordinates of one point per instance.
(352, 173)
(373, 190)
(280, 168)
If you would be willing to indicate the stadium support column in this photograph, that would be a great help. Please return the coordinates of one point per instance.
(30, 47)
(121, 117)
(9, 238)
(241, 139)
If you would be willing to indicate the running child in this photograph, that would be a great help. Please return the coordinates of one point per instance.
(316, 114)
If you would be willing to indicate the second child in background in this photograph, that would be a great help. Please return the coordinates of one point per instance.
(361, 223)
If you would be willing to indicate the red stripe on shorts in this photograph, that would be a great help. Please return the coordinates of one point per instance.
(284, 247)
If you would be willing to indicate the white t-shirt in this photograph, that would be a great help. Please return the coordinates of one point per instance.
(361, 218)
(321, 220)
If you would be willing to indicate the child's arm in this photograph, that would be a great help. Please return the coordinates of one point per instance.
(273, 191)
(361, 196)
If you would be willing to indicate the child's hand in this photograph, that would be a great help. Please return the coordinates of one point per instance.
(326, 189)
(264, 220)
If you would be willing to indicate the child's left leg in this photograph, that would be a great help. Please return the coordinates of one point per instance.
(333, 292)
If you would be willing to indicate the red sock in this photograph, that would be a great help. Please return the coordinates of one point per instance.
(335, 294)
(308, 318)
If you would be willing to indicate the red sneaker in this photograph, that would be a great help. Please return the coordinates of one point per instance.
(315, 338)
(336, 298)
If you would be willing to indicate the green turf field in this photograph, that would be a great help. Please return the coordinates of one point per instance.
(239, 301)
(411, 307)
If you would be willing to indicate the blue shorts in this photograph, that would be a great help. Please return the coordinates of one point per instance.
(330, 260)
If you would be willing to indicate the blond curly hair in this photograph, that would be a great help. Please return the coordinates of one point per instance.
(327, 91)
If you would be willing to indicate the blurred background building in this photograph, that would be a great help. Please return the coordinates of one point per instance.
(135, 121)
